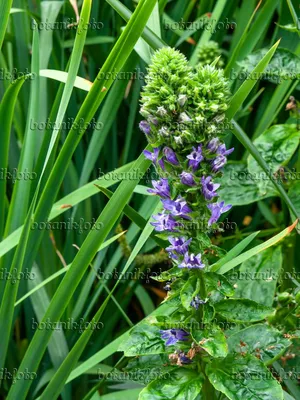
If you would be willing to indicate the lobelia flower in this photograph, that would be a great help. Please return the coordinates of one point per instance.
(187, 178)
(183, 359)
(152, 156)
(178, 207)
(174, 335)
(195, 157)
(192, 261)
(170, 156)
(161, 188)
(164, 222)
(213, 145)
(221, 150)
(196, 302)
(145, 127)
(178, 244)
(218, 163)
(216, 210)
(209, 188)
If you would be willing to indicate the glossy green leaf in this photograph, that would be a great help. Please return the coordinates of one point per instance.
(188, 291)
(240, 187)
(217, 282)
(285, 65)
(180, 384)
(242, 310)
(261, 341)
(257, 277)
(277, 146)
(243, 377)
(212, 340)
(145, 369)
(244, 139)
(144, 339)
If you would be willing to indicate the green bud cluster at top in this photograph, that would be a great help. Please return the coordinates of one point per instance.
(208, 53)
(182, 105)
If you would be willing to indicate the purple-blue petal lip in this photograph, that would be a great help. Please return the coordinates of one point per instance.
(216, 210)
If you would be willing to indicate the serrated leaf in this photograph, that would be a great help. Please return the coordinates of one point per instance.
(208, 313)
(276, 146)
(144, 339)
(259, 340)
(179, 384)
(242, 310)
(243, 378)
(284, 65)
(257, 277)
(238, 186)
(212, 340)
(189, 290)
(144, 369)
(219, 283)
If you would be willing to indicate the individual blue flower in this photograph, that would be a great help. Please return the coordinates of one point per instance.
(161, 164)
(152, 156)
(213, 145)
(164, 222)
(196, 302)
(145, 127)
(218, 163)
(191, 261)
(178, 244)
(178, 207)
(209, 188)
(174, 335)
(216, 210)
(183, 359)
(161, 188)
(187, 178)
(195, 157)
(170, 156)
(221, 150)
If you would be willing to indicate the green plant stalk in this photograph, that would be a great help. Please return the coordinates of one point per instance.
(6, 116)
(57, 382)
(73, 198)
(133, 30)
(78, 267)
(206, 35)
(5, 6)
(250, 38)
(21, 194)
(20, 200)
(87, 111)
(11, 290)
(16, 260)
(148, 35)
